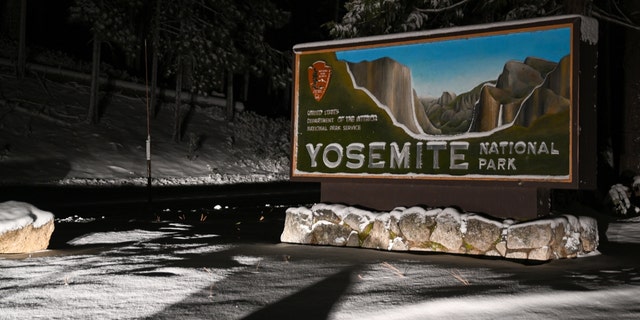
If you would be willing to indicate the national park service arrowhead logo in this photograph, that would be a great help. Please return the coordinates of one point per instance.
(319, 76)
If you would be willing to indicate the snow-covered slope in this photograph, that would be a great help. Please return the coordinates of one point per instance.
(44, 138)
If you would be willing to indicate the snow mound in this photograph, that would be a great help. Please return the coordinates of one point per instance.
(16, 215)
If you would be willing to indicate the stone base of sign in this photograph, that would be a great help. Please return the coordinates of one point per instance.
(441, 230)
(498, 201)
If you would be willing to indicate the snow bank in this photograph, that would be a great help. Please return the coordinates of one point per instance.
(16, 215)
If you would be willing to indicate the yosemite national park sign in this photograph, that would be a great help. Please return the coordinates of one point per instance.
(498, 102)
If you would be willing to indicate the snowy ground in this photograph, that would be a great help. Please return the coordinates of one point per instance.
(224, 269)
(232, 266)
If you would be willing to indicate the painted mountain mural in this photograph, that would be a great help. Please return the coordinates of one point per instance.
(522, 93)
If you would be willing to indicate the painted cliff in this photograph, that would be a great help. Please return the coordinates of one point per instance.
(522, 93)
(390, 83)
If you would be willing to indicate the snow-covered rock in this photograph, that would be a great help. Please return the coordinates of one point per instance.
(482, 233)
(416, 225)
(24, 228)
(378, 237)
(442, 230)
(447, 233)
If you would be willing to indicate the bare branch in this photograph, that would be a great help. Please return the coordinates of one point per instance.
(443, 9)
(552, 12)
(394, 269)
(626, 19)
(204, 22)
(456, 274)
(598, 13)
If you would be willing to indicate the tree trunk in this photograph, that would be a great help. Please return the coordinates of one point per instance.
(10, 18)
(230, 102)
(22, 52)
(177, 114)
(245, 91)
(155, 25)
(154, 82)
(630, 157)
(177, 125)
(93, 114)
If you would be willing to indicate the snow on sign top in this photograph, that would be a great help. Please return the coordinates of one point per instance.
(16, 215)
(494, 102)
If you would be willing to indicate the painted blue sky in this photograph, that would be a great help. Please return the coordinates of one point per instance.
(458, 65)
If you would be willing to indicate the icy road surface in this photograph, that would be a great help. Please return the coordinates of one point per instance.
(227, 269)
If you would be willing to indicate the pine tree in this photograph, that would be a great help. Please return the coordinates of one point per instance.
(204, 43)
(375, 17)
(110, 21)
(199, 44)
